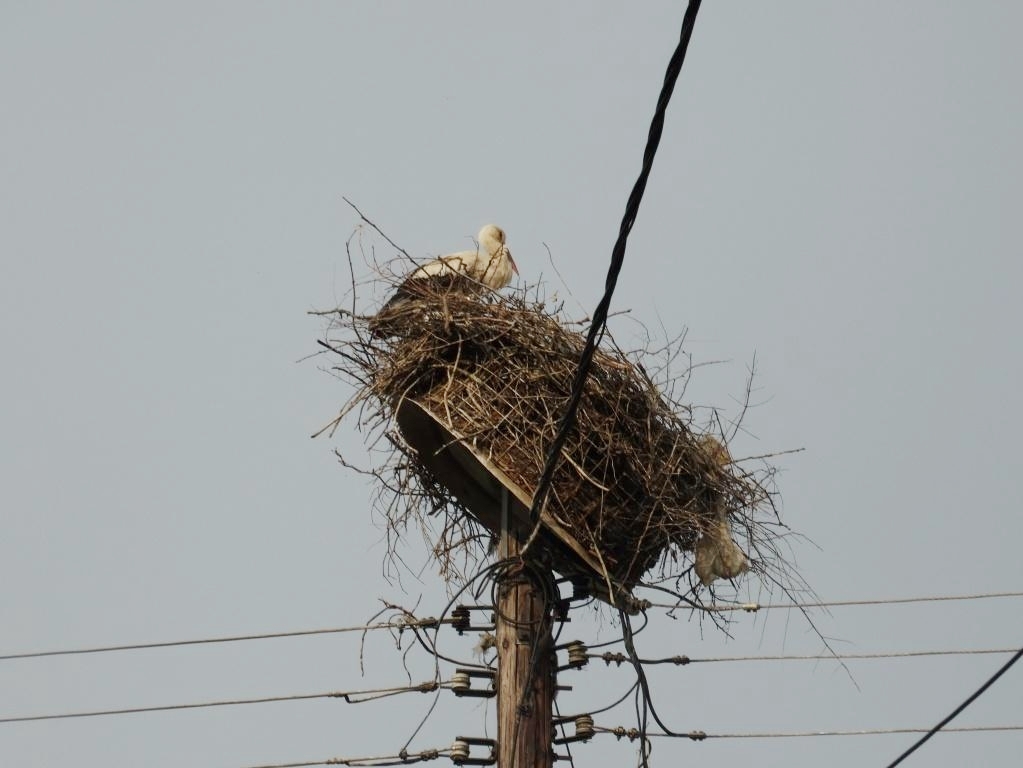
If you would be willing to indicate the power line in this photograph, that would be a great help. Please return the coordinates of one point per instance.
(599, 319)
(431, 623)
(598, 322)
(621, 658)
(350, 697)
(955, 712)
(633, 734)
(400, 624)
(753, 607)
(402, 758)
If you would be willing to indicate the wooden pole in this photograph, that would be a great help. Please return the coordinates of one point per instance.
(525, 657)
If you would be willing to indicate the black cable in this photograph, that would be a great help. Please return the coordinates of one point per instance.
(644, 686)
(599, 320)
(608, 707)
(955, 712)
(564, 732)
(483, 573)
(646, 621)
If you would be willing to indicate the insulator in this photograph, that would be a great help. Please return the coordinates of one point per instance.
(459, 751)
(461, 685)
(460, 681)
(584, 727)
(460, 616)
(576, 654)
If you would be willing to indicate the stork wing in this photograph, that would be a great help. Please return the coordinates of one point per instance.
(453, 264)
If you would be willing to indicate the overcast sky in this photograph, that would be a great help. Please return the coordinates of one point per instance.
(838, 192)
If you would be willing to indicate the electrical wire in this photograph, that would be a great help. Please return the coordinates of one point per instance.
(754, 607)
(482, 575)
(640, 733)
(399, 625)
(621, 658)
(646, 621)
(599, 319)
(632, 734)
(564, 732)
(402, 758)
(349, 697)
(606, 708)
(432, 623)
(955, 712)
(644, 687)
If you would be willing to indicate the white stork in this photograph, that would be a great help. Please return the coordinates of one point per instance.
(489, 265)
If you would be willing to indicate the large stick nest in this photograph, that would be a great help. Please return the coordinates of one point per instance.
(636, 484)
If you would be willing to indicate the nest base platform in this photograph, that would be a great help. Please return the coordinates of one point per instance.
(477, 483)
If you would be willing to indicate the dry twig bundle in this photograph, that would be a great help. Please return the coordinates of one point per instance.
(637, 485)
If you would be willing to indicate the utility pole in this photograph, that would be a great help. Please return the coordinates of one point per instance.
(525, 656)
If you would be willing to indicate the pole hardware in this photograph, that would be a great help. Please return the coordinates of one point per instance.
(461, 751)
(461, 683)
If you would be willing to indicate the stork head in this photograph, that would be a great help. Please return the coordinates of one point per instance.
(492, 239)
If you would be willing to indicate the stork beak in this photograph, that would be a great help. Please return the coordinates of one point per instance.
(511, 261)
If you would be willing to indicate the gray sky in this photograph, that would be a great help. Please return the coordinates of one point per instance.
(838, 191)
